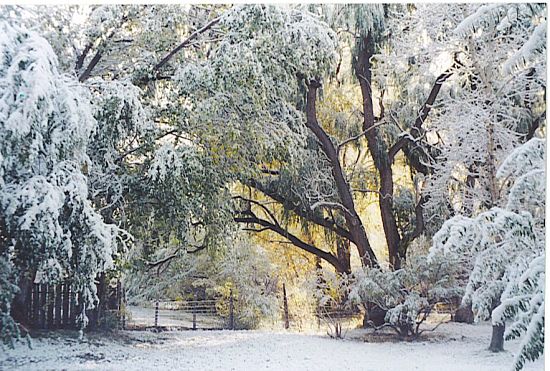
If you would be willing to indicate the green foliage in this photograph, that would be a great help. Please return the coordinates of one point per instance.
(243, 104)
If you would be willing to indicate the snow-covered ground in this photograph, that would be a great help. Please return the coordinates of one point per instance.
(452, 347)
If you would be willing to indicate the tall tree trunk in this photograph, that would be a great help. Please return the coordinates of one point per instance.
(497, 337)
(353, 222)
(388, 219)
(379, 153)
(464, 314)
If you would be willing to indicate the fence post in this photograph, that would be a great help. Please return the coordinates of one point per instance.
(51, 304)
(285, 307)
(231, 309)
(72, 308)
(194, 309)
(28, 301)
(120, 306)
(35, 303)
(66, 300)
(157, 305)
(57, 314)
(124, 312)
(42, 309)
(157, 313)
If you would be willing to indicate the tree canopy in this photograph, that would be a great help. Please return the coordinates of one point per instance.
(159, 140)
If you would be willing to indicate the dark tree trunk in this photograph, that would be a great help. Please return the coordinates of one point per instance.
(353, 229)
(343, 254)
(379, 153)
(285, 306)
(497, 338)
(464, 314)
(374, 316)
(21, 302)
(388, 218)
(353, 222)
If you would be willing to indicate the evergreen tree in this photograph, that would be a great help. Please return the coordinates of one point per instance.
(503, 248)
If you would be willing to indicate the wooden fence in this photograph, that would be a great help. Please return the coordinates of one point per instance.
(52, 307)
(57, 306)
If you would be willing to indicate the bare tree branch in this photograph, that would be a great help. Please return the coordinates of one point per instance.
(425, 110)
(175, 254)
(97, 57)
(433, 329)
(185, 43)
(250, 218)
(331, 205)
(302, 212)
(364, 132)
(82, 57)
(263, 207)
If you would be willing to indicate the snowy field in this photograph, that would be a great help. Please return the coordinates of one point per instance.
(452, 347)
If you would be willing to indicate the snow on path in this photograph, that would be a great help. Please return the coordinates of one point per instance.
(463, 348)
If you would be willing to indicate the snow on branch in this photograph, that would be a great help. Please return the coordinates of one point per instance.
(535, 44)
(524, 159)
(485, 14)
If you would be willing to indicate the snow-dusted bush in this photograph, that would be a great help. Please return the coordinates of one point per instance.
(408, 295)
(331, 291)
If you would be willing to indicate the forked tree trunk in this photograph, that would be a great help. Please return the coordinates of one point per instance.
(379, 154)
(347, 206)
